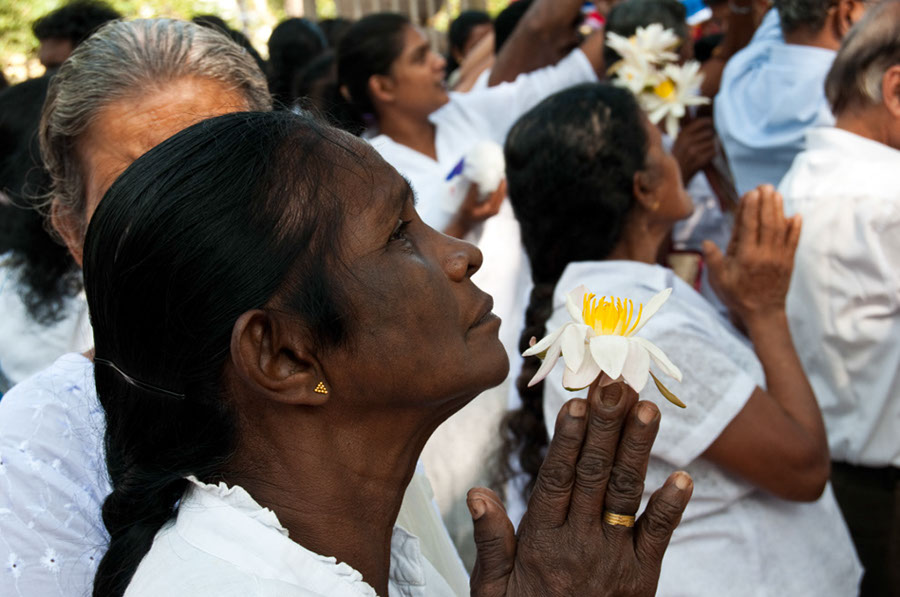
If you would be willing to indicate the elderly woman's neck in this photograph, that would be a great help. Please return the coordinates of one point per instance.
(335, 485)
(869, 122)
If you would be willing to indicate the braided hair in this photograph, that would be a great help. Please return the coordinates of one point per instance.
(570, 165)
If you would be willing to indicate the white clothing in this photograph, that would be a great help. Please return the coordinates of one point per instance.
(53, 481)
(772, 92)
(27, 346)
(734, 539)
(223, 543)
(844, 301)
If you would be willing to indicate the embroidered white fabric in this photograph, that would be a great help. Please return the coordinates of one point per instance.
(734, 539)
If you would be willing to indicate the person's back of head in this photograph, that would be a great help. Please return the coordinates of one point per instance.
(334, 30)
(507, 20)
(292, 45)
(61, 30)
(462, 26)
(802, 14)
(865, 76)
(570, 165)
(124, 59)
(626, 17)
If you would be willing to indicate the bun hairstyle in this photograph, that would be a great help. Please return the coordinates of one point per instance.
(570, 166)
(229, 215)
(369, 47)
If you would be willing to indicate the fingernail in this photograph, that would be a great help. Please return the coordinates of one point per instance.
(646, 413)
(533, 341)
(476, 508)
(577, 409)
(682, 480)
(611, 394)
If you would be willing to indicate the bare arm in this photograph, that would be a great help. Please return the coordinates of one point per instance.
(546, 33)
(480, 58)
(778, 439)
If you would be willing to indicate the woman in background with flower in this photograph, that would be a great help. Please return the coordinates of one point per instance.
(596, 196)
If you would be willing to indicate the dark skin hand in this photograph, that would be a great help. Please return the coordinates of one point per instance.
(474, 211)
(596, 461)
(695, 147)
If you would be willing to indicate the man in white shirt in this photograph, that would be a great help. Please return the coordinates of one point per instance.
(771, 91)
(844, 303)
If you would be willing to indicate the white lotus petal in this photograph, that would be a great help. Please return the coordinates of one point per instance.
(547, 365)
(585, 376)
(610, 352)
(575, 303)
(651, 308)
(637, 366)
(660, 358)
(572, 342)
(545, 342)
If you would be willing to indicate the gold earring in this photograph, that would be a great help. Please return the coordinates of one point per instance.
(321, 389)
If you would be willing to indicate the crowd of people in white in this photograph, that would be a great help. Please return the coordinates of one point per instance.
(246, 393)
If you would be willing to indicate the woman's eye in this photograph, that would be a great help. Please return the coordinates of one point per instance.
(399, 232)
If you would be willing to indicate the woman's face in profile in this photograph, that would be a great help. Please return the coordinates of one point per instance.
(421, 332)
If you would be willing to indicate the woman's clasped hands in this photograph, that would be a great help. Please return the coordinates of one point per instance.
(567, 542)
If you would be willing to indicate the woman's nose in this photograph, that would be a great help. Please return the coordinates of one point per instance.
(462, 259)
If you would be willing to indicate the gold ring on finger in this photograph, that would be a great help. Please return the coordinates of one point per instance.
(622, 520)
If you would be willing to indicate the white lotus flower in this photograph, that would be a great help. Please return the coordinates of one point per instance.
(601, 339)
(635, 77)
(670, 98)
(649, 45)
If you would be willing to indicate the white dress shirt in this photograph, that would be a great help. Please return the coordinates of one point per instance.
(734, 538)
(53, 481)
(27, 346)
(223, 543)
(844, 301)
(772, 92)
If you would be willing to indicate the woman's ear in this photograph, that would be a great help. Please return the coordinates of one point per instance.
(645, 189)
(276, 359)
(70, 229)
(381, 89)
(890, 91)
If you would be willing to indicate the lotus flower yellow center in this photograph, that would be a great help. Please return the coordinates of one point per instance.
(665, 90)
(610, 317)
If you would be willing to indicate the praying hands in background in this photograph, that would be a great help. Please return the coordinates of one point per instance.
(577, 536)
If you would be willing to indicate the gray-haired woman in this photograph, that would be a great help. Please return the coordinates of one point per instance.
(129, 87)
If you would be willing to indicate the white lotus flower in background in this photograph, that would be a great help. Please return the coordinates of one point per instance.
(670, 98)
(635, 77)
(601, 339)
(649, 45)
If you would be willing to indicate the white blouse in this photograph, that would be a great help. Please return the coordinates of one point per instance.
(734, 538)
(27, 346)
(223, 543)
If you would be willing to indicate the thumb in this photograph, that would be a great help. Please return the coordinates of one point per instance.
(714, 259)
(495, 544)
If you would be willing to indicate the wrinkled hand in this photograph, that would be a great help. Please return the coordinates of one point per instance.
(753, 276)
(695, 147)
(597, 460)
(472, 211)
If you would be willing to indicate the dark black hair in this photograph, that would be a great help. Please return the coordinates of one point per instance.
(3, 82)
(46, 275)
(570, 165)
(316, 90)
(74, 20)
(369, 48)
(334, 30)
(219, 24)
(232, 214)
(292, 45)
(626, 17)
(460, 30)
(507, 20)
